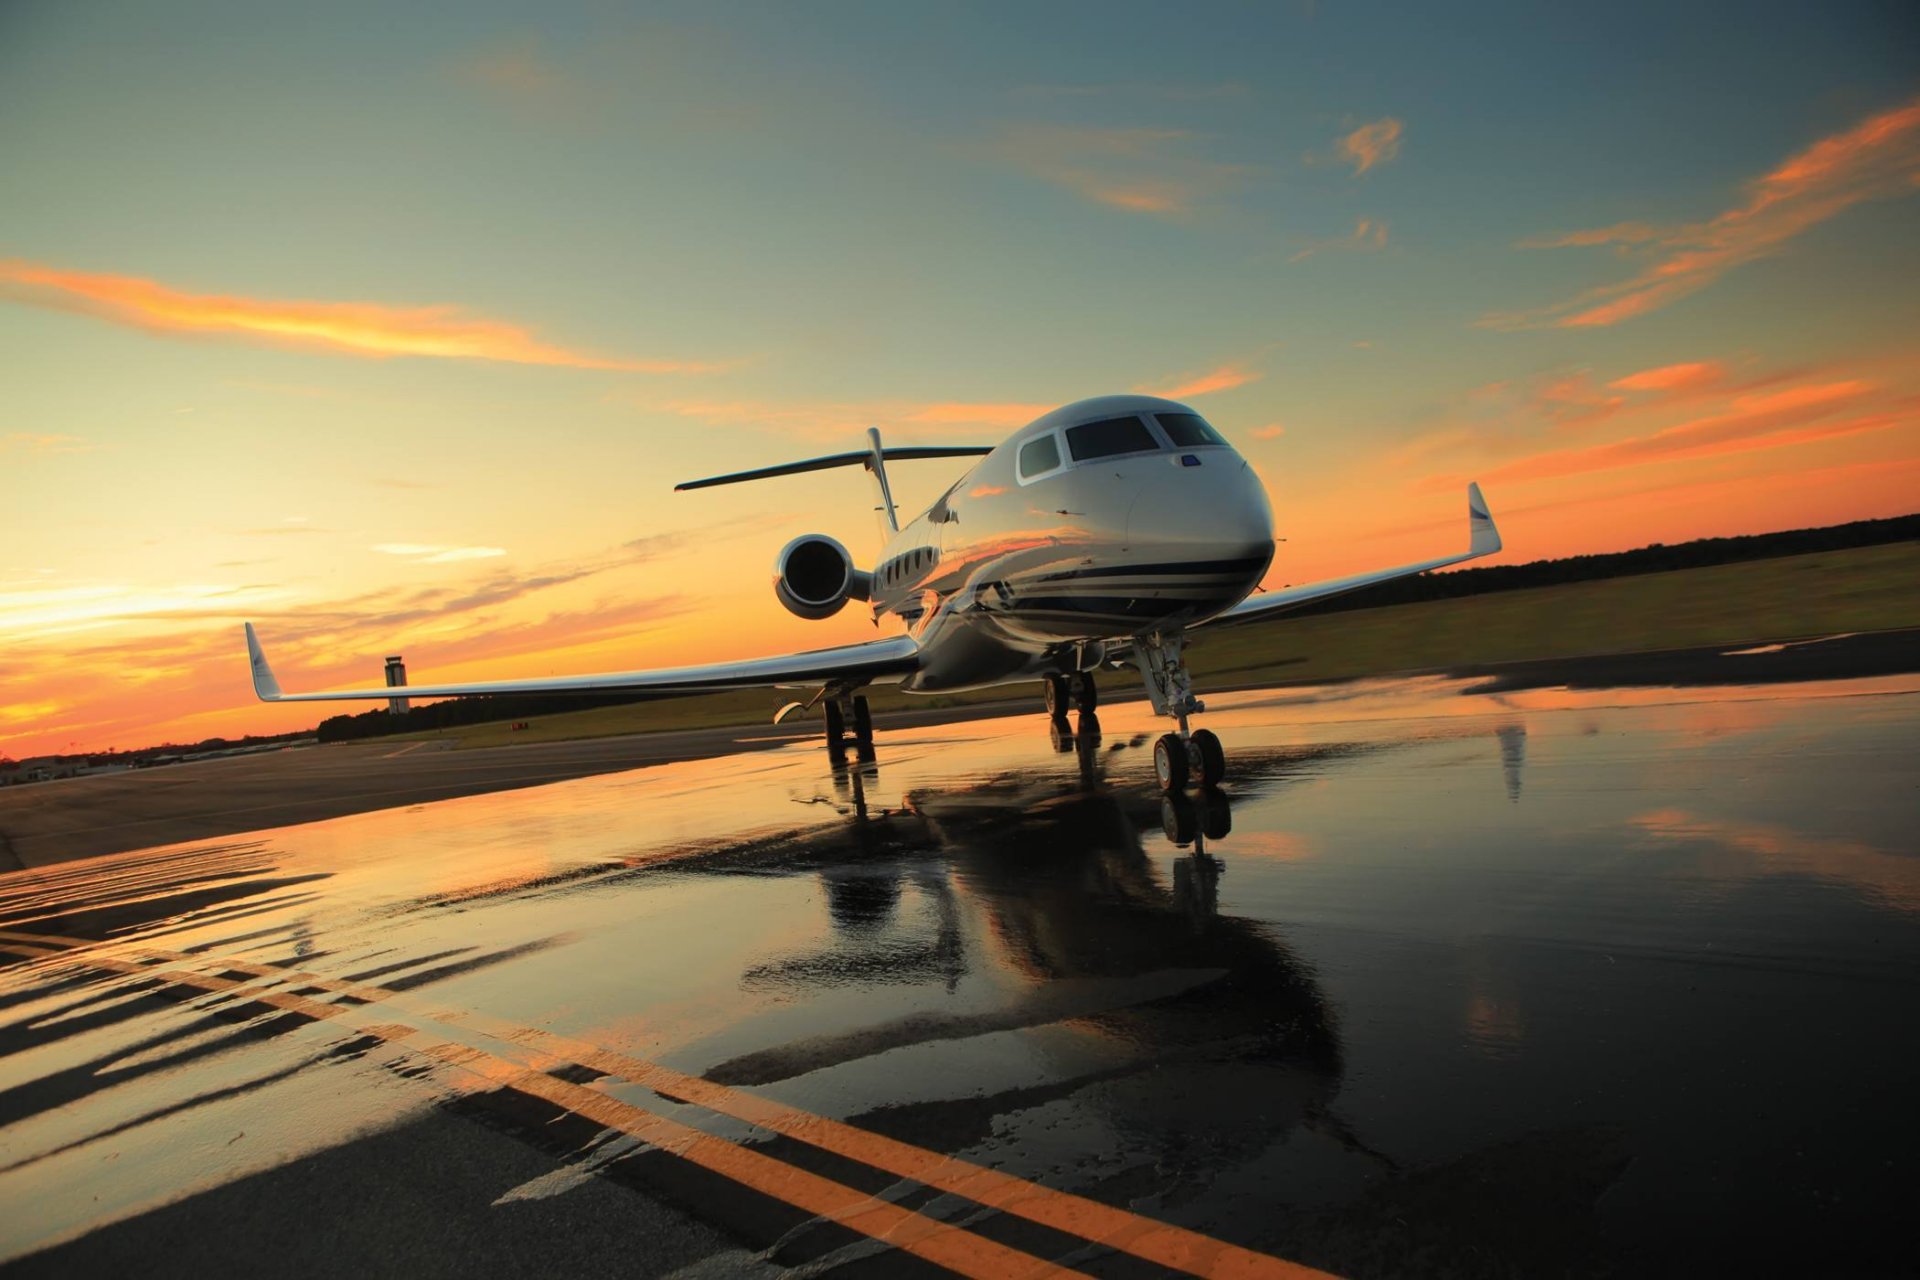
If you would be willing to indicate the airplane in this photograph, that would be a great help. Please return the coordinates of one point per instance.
(1105, 532)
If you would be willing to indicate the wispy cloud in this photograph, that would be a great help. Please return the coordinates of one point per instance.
(1223, 91)
(1152, 171)
(1771, 420)
(1367, 233)
(428, 553)
(841, 420)
(1220, 378)
(1879, 157)
(1371, 144)
(343, 328)
(518, 71)
(40, 444)
(45, 613)
(1674, 378)
(1272, 431)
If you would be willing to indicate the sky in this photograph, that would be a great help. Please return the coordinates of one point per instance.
(390, 328)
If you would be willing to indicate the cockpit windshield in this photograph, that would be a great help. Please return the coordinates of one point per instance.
(1108, 437)
(1187, 430)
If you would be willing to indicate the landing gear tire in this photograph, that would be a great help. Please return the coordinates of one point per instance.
(1057, 699)
(1086, 694)
(836, 731)
(862, 723)
(1177, 818)
(1216, 816)
(1211, 758)
(1170, 762)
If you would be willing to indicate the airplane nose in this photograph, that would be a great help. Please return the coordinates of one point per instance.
(1217, 510)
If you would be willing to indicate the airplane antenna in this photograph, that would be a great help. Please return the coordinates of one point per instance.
(877, 463)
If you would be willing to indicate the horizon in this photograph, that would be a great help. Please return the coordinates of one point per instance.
(1341, 604)
(392, 336)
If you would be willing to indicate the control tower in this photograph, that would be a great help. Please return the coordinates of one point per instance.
(397, 679)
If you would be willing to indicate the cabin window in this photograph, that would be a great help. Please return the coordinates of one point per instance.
(1188, 430)
(1039, 456)
(1110, 437)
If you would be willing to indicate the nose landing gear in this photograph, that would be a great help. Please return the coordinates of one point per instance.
(1189, 753)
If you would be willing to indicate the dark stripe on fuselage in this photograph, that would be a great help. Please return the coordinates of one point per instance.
(1114, 606)
(1251, 564)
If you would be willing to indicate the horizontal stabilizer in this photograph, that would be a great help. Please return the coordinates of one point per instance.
(859, 458)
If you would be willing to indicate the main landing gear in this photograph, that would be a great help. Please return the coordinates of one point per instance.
(1190, 753)
(849, 724)
(1073, 691)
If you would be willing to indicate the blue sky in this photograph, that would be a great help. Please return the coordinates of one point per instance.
(749, 230)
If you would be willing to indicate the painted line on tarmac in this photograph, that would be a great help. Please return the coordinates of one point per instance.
(1101, 1224)
(402, 751)
(954, 1248)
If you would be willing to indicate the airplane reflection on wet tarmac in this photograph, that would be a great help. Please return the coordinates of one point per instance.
(1388, 1011)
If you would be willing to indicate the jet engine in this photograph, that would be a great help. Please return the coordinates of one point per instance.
(814, 577)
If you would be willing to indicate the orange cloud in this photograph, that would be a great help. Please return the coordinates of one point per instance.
(1367, 233)
(1673, 377)
(1618, 233)
(1876, 158)
(1769, 421)
(1371, 144)
(39, 443)
(343, 328)
(1224, 378)
(1153, 171)
(1272, 431)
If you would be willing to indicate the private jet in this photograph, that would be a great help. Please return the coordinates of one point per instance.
(1104, 533)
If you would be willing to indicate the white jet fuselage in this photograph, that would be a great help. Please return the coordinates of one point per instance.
(1022, 568)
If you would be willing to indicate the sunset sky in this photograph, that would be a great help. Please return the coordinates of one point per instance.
(392, 332)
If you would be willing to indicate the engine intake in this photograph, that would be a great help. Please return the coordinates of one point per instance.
(814, 577)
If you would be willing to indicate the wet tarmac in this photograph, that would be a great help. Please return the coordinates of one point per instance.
(1499, 983)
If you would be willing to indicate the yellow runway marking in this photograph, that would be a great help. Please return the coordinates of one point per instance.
(1148, 1239)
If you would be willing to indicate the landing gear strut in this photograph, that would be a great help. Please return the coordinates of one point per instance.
(1189, 752)
(849, 722)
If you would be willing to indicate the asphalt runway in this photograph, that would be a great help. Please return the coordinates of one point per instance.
(1518, 982)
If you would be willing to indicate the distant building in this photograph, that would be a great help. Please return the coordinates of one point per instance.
(397, 679)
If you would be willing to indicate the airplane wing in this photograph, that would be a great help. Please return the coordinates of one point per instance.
(852, 664)
(1483, 540)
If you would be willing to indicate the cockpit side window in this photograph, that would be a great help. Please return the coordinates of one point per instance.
(1039, 455)
(1188, 430)
(1110, 437)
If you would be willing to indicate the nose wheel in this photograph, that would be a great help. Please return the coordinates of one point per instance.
(1198, 757)
(1189, 754)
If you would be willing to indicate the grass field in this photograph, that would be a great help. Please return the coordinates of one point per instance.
(1792, 597)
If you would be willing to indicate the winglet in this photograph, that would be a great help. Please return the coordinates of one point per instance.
(1485, 534)
(265, 687)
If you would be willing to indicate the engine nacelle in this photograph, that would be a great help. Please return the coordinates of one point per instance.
(814, 577)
